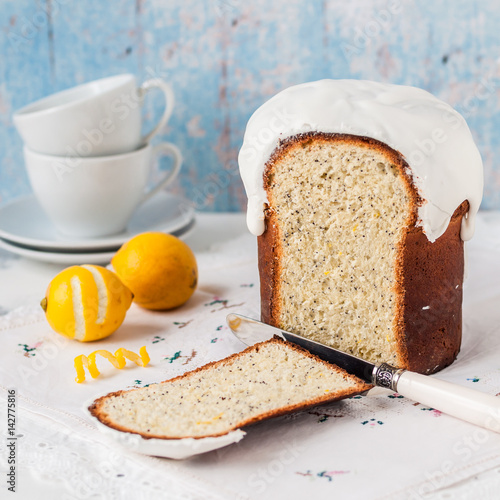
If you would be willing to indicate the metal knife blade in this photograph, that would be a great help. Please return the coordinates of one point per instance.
(472, 406)
(251, 331)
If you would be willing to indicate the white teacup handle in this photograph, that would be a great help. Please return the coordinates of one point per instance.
(168, 148)
(157, 83)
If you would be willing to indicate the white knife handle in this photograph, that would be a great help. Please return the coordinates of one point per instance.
(467, 404)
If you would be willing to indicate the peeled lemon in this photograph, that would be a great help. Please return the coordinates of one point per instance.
(159, 268)
(86, 303)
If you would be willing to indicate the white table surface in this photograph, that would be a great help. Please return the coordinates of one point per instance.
(23, 282)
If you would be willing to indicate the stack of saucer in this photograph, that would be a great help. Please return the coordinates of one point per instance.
(90, 168)
(25, 230)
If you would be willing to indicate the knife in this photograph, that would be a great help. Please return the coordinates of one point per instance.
(467, 404)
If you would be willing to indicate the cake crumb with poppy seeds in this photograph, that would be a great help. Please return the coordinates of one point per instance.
(265, 380)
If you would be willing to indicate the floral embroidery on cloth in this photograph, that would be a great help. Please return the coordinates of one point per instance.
(373, 422)
(30, 351)
(222, 302)
(324, 474)
(178, 355)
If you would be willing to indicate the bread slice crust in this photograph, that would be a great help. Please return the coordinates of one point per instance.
(428, 276)
(359, 386)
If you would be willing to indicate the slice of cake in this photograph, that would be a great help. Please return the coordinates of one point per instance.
(263, 381)
(362, 194)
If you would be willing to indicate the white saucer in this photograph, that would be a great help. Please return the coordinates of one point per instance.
(58, 257)
(23, 222)
(178, 449)
(70, 258)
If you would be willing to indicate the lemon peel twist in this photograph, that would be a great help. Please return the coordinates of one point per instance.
(118, 360)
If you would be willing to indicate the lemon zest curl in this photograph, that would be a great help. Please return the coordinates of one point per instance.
(118, 360)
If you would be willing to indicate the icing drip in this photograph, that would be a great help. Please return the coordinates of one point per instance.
(434, 139)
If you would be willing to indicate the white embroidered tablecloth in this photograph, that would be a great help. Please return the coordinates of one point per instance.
(379, 446)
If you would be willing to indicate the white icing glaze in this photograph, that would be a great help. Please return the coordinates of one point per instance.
(434, 139)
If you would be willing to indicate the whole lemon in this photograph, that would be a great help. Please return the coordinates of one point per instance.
(86, 303)
(159, 268)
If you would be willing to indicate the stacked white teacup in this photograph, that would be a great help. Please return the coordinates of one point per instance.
(88, 164)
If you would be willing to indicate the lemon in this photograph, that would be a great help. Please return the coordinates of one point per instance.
(86, 303)
(159, 269)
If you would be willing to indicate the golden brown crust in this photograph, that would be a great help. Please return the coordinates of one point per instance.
(97, 411)
(425, 271)
(432, 281)
(269, 262)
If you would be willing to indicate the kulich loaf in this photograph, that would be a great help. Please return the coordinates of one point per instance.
(265, 380)
(362, 195)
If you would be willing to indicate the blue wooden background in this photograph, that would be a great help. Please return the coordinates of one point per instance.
(223, 58)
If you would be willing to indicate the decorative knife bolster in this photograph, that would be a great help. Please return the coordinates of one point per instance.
(387, 376)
